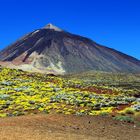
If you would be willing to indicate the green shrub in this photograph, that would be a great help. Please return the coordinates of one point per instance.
(104, 114)
(124, 119)
(18, 113)
(129, 111)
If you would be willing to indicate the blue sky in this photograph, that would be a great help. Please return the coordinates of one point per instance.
(113, 23)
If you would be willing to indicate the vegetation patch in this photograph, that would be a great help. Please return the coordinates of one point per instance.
(98, 94)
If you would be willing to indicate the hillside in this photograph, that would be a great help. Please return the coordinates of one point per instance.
(91, 106)
(25, 93)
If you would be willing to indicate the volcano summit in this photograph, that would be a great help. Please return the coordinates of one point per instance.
(53, 50)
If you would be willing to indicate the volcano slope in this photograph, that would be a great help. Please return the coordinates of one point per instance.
(53, 50)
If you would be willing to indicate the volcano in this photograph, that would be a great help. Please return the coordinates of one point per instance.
(53, 50)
